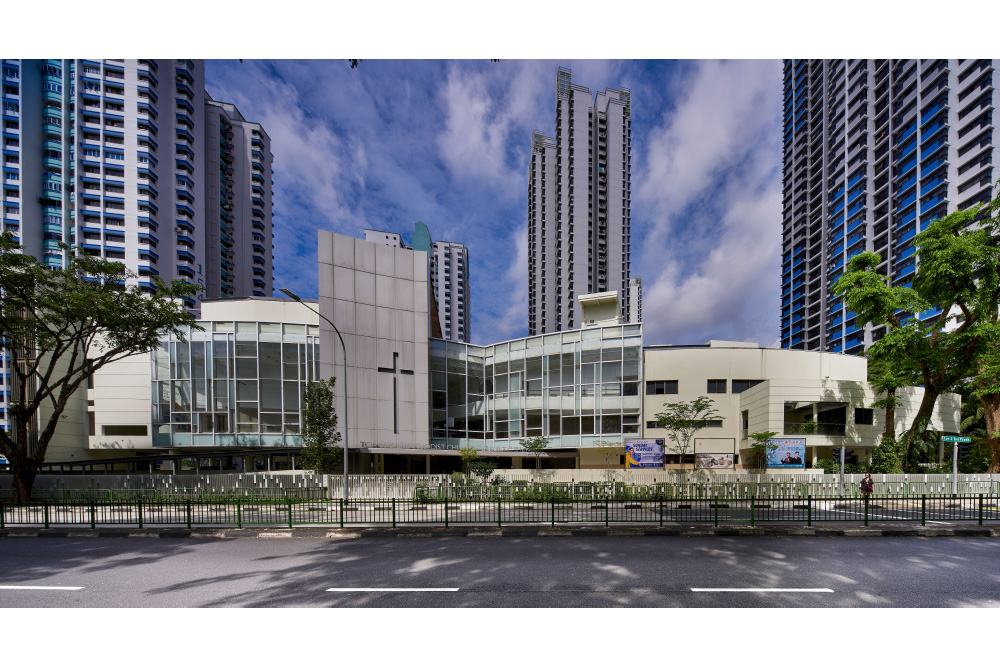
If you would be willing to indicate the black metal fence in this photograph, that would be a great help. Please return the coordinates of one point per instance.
(290, 512)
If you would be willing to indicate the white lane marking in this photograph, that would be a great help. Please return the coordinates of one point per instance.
(938, 522)
(393, 589)
(761, 589)
(36, 587)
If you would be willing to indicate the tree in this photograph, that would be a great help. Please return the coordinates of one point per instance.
(469, 456)
(957, 276)
(611, 452)
(59, 327)
(535, 446)
(683, 419)
(761, 446)
(319, 430)
(483, 470)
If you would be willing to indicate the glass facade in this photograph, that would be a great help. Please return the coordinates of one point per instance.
(575, 387)
(233, 384)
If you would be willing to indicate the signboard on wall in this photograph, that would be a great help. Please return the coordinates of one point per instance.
(790, 453)
(643, 453)
(714, 460)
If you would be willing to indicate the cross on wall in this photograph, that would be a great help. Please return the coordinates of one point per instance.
(395, 399)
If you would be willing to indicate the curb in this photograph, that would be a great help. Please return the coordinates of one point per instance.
(502, 532)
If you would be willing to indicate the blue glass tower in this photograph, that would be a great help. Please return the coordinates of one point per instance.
(874, 150)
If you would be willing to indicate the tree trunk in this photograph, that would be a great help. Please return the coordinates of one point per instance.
(991, 412)
(919, 424)
(24, 479)
(890, 413)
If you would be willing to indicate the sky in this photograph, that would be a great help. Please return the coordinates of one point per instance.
(447, 142)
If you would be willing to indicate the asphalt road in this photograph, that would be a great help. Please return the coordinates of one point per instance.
(598, 572)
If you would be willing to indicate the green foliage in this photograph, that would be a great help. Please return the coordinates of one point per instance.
(320, 438)
(831, 466)
(535, 446)
(682, 419)
(761, 447)
(958, 272)
(885, 457)
(469, 455)
(483, 470)
(60, 327)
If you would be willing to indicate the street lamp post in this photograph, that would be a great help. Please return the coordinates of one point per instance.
(343, 347)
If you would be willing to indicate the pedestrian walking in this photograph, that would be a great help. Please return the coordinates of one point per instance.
(866, 486)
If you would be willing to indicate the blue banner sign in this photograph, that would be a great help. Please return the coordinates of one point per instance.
(643, 453)
(790, 452)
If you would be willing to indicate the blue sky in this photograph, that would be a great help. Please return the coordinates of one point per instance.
(447, 142)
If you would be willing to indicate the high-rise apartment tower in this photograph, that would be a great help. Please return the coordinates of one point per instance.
(874, 150)
(579, 207)
(131, 160)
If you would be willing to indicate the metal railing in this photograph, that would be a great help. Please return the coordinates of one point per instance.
(553, 510)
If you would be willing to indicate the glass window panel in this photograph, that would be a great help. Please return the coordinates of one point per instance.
(183, 360)
(270, 423)
(200, 394)
(292, 396)
(182, 396)
(514, 429)
(246, 349)
(611, 372)
(223, 327)
(270, 395)
(438, 400)
(501, 415)
(246, 327)
(553, 424)
(533, 368)
(198, 359)
(630, 371)
(270, 360)
(501, 430)
(163, 361)
(456, 389)
(246, 412)
(590, 356)
(610, 424)
(517, 365)
(612, 354)
(438, 381)
(246, 390)
(500, 384)
(587, 374)
(630, 388)
(221, 422)
(476, 384)
(534, 388)
(533, 418)
(456, 365)
(586, 425)
(571, 425)
(205, 423)
(246, 368)
(297, 329)
(270, 327)
(221, 392)
(437, 362)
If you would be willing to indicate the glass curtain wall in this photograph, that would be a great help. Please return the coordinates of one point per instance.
(233, 384)
(576, 387)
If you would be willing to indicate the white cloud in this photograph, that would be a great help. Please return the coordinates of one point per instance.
(709, 208)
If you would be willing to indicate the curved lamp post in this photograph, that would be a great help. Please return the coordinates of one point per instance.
(343, 347)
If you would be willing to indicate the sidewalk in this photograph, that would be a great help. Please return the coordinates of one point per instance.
(521, 531)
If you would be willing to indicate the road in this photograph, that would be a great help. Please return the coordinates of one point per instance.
(599, 572)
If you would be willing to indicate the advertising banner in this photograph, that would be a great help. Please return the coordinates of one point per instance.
(714, 460)
(791, 452)
(643, 453)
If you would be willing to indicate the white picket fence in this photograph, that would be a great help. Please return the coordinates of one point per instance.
(403, 486)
